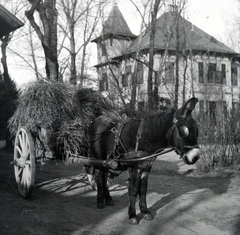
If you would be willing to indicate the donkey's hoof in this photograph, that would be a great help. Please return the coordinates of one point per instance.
(109, 203)
(133, 220)
(100, 205)
(148, 216)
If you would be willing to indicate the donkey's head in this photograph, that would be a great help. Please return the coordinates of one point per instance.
(184, 133)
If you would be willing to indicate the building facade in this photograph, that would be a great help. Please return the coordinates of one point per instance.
(187, 62)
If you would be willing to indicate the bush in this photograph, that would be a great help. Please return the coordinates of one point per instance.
(219, 142)
(7, 107)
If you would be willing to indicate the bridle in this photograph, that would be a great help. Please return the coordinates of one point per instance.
(180, 136)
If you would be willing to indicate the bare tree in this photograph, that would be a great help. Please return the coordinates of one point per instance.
(47, 34)
(80, 21)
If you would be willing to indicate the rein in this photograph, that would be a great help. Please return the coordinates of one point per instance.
(157, 153)
(139, 134)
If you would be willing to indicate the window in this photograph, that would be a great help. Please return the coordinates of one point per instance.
(126, 78)
(103, 84)
(215, 76)
(234, 76)
(212, 111)
(140, 73)
(104, 50)
(212, 68)
(141, 106)
(201, 106)
(235, 107)
(223, 74)
(128, 69)
(169, 72)
(200, 72)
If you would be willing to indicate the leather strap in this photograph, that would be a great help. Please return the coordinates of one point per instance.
(139, 134)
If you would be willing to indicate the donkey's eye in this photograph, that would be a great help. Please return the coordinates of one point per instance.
(183, 131)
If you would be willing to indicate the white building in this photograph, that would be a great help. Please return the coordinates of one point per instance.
(199, 64)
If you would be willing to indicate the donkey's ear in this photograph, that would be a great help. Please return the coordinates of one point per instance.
(186, 109)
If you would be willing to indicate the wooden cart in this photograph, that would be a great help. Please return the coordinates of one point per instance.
(25, 159)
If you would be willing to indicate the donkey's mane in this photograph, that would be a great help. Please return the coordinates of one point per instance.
(159, 119)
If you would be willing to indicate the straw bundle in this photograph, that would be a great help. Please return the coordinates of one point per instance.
(89, 104)
(42, 105)
(71, 138)
(63, 111)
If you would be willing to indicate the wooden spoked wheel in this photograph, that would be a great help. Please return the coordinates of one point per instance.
(24, 162)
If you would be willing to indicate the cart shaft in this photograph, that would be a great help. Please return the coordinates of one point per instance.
(92, 162)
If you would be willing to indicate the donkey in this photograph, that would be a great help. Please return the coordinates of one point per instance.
(110, 140)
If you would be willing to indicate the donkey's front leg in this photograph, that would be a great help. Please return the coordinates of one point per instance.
(142, 194)
(134, 182)
(107, 197)
(100, 188)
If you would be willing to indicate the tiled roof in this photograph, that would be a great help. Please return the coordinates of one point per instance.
(190, 36)
(8, 22)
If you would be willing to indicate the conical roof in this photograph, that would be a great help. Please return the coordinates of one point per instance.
(190, 36)
(115, 25)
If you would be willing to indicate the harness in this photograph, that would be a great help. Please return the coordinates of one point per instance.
(117, 130)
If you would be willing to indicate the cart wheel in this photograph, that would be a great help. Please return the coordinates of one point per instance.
(24, 162)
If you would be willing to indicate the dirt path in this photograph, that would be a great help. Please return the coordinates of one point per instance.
(182, 202)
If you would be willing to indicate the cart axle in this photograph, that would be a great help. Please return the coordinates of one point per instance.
(18, 162)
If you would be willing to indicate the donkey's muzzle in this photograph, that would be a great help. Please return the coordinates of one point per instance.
(191, 156)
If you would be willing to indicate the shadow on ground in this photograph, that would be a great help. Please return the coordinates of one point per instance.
(63, 203)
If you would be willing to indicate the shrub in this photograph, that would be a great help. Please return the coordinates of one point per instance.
(219, 142)
(7, 106)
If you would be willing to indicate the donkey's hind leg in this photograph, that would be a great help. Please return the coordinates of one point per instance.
(133, 189)
(142, 194)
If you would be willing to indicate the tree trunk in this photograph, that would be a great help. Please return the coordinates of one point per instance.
(73, 70)
(151, 54)
(5, 40)
(177, 63)
(33, 54)
(48, 15)
(134, 88)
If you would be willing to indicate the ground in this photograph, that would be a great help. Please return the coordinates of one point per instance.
(182, 201)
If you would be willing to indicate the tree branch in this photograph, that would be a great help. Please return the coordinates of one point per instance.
(29, 15)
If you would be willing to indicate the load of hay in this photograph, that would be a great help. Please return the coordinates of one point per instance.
(58, 114)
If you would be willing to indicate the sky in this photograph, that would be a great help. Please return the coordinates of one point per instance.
(213, 16)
